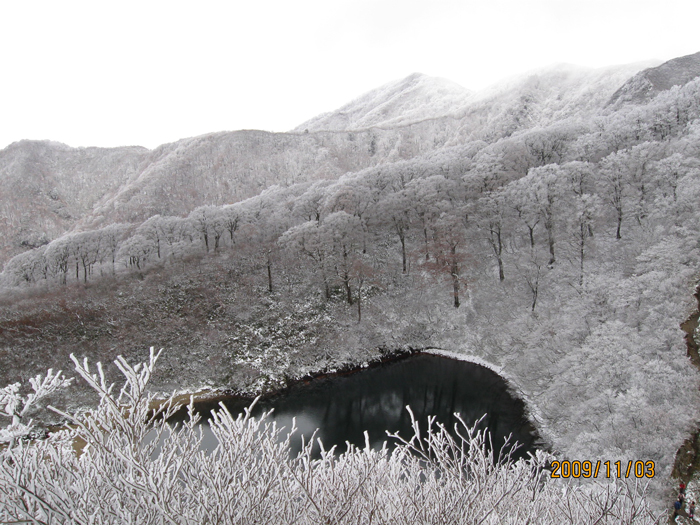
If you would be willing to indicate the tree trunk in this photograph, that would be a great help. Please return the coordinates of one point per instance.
(403, 250)
(550, 242)
(582, 252)
(348, 291)
(497, 245)
(455, 276)
(533, 283)
(326, 288)
(269, 273)
(425, 237)
(346, 277)
(534, 298)
(532, 236)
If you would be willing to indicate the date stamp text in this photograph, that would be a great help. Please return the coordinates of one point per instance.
(607, 469)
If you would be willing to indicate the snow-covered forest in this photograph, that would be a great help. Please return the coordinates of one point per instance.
(549, 227)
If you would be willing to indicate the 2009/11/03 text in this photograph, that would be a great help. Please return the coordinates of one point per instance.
(590, 469)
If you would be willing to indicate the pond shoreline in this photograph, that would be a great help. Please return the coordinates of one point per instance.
(204, 402)
(217, 395)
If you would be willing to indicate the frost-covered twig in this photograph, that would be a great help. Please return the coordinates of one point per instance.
(16, 406)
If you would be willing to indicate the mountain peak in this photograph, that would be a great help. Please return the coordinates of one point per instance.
(411, 99)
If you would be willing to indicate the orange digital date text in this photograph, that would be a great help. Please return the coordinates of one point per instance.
(607, 469)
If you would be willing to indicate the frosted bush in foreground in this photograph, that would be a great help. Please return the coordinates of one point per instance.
(16, 406)
(123, 475)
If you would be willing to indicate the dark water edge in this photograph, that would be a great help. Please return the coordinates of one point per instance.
(343, 405)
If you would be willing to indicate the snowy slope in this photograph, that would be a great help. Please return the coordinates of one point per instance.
(45, 187)
(412, 99)
(49, 189)
(542, 97)
(536, 98)
(648, 83)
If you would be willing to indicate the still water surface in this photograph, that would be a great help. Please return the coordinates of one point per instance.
(343, 407)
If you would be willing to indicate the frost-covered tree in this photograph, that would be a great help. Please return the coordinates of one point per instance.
(176, 233)
(343, 235)
(310, 204)
(491, 219)
(16, 406)
(395, 211)
(355, 196)
(309, 240)
(615, 182)
(85, 247)
(546, 188)
(152, 230)
(135, 251)
(428, 198)
(581, 218)
(449, 255)
(202, 218)
(517, 196)
(27, 267)
(58, 257)
(231, 218)
(220, 224)
(545, 146)
(110, 239)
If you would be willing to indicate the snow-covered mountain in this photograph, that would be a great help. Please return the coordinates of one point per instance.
(544, 96)
(46, 187)
(49, 188)
(426, 104)
(648, 83)
(412, 99)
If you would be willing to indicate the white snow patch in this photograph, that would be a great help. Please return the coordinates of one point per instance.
(466, 357)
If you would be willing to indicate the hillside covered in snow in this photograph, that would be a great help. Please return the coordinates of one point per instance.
(50, 188)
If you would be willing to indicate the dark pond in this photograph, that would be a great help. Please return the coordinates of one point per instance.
(343, 407)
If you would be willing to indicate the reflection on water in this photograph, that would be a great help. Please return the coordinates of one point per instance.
(374, 400)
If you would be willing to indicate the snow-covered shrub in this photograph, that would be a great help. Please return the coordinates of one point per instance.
(16, 406)
(135, 467)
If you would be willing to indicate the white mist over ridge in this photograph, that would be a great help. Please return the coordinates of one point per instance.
(548, 94)
(414, 98)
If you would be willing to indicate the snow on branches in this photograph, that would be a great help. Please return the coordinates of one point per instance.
(16, 406)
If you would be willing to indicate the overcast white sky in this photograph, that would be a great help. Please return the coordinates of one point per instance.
(99, 73)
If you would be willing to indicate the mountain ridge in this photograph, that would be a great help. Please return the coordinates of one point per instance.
(650, 82)
(548, 94)
(400, 102)
(72, 188)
